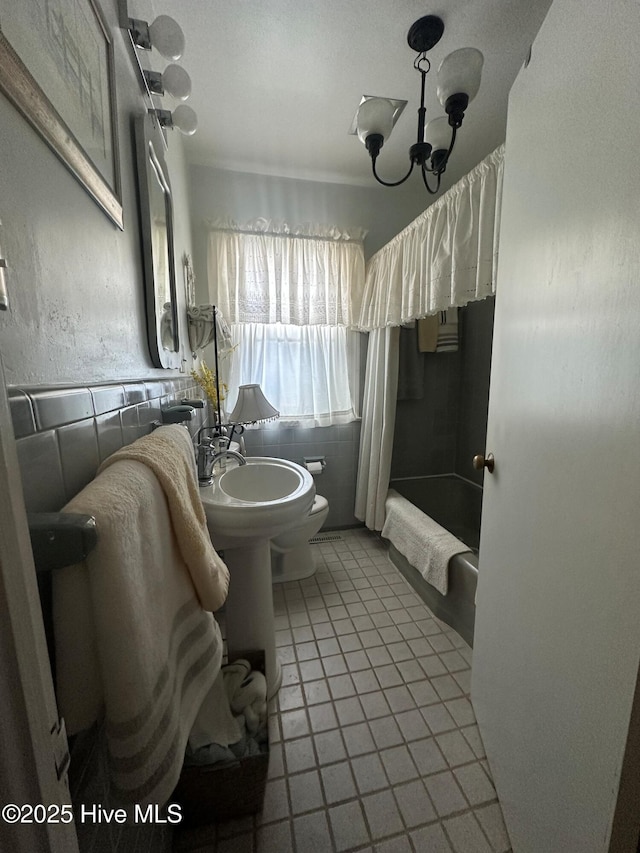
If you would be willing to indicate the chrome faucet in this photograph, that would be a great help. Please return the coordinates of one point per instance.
(208, 456)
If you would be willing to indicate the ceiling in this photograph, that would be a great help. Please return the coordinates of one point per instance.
(276, 83)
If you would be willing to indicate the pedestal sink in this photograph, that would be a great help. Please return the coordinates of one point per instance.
(245, 507)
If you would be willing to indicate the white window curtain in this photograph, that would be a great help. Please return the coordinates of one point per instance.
(310, 373)
(269, 272)
(445, 258)
(289, 295)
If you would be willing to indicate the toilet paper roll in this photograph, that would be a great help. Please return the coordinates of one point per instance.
(314, 467)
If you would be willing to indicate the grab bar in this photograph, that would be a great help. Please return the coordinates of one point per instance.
(60, 539)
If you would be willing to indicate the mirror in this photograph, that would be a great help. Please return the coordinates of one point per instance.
(156, 225)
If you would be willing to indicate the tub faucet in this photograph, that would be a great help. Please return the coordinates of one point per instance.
(208, 456)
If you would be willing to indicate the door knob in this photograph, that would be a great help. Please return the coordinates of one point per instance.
(488, 462)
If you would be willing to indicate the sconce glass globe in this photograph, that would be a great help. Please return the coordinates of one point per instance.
(185, 120)
(176, 82)
(167, 37)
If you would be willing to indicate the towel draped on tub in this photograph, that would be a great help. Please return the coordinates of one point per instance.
(135, 642)
(425, 544)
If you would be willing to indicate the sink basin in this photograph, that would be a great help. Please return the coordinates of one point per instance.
(257, 500)
(245, 507)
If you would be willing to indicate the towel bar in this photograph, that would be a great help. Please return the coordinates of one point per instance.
(60, 539)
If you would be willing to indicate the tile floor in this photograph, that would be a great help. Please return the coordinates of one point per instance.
(373, 739)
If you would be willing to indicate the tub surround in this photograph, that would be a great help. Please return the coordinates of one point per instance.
(455, 504)
(456, 608)
(440, 431)
(452, 501)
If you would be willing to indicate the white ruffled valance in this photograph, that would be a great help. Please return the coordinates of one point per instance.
(277, 227)
(265, 271)
(445, 258)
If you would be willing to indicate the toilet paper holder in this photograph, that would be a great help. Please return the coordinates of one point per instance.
(310, 460)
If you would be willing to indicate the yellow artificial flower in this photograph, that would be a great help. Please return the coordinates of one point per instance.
(207, 381)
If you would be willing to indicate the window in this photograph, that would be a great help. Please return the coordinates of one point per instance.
(289, 296)
(311, 374)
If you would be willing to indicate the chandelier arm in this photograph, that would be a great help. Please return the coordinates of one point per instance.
(426, 182)
(454, 131)
(390, 183)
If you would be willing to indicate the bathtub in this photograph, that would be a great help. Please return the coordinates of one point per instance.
(456, 504)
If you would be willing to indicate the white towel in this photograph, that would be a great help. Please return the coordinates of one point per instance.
(425, 544)
(169, 453)
(132, 640)
(215, 723)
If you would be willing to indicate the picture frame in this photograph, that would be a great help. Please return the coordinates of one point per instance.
(57, 69)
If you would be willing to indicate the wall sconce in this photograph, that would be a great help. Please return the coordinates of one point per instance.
(458, 83)
(183, 118)
(164, 34)
(174, 80)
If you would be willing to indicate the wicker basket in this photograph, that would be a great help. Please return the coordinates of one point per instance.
(217, 792)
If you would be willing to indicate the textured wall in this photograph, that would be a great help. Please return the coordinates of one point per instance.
(77, 310)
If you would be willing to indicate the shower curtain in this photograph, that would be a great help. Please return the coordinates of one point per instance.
(445, 258)
(378, 423)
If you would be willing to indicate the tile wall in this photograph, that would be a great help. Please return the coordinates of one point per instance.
(442, 431)
(63, 433)
(338, 444)
(477, 338)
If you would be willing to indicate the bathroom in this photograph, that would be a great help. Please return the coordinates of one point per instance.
(77, 318)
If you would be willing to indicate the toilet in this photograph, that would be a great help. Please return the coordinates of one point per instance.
(291, 554)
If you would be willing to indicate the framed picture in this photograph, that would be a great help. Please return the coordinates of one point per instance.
(56, 67)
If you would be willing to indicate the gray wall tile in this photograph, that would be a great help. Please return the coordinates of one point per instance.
(135, 392)
(41, 471)
(78, 445)
(22, 415)
(477, 339)
(57, 406)
(440, 433)
(109, 434)
(106, 398)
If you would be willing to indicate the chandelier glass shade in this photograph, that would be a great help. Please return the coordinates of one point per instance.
(458, 83)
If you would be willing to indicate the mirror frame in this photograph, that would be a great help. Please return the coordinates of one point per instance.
(152, 169)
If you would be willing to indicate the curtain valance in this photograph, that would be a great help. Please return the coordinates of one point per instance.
(270, 272)
(446, 257)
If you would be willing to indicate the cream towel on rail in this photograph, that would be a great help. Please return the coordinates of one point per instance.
(425, 544)
(133, 643)
(168, 452)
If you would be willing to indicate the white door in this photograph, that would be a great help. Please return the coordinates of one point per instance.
(557, 638)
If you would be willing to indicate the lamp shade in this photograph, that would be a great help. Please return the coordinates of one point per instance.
(167, 37)
(185, 120)
(375, 115)
(460, 73)
(438, 133)
(176, 82)
(252, 406)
